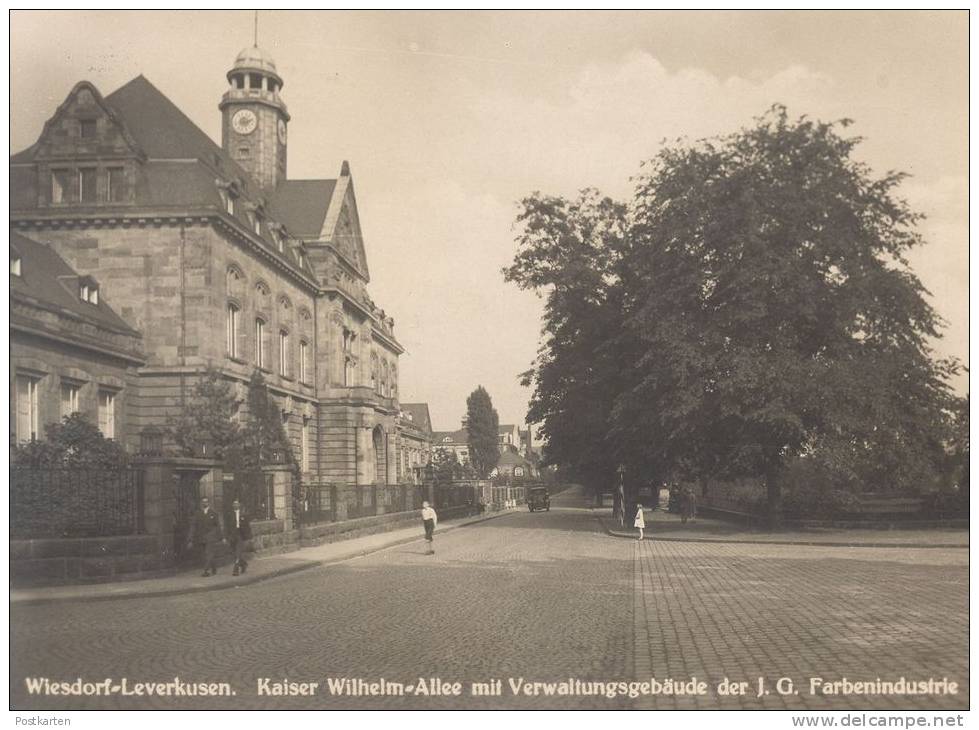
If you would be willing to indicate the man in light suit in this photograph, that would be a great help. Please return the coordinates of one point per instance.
(239, 529)
(205, 529)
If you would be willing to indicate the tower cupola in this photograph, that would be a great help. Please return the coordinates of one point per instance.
(254, 117)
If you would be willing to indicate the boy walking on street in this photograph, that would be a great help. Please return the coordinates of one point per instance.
(429, 519)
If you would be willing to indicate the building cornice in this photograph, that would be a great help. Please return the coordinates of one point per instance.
(30, 327)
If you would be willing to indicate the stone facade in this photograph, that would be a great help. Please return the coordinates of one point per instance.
(66, 355)
(218, 260)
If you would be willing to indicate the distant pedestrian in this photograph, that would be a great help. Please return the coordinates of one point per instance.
(239, 529)
(205, 530)
(430, 520)
(640, 520)
(688, 504)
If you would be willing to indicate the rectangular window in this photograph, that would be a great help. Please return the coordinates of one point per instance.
(89, 128)
(107, 413)
(232, 330)
(304, 446)
(260, 343)
(303, 347)
(87, 187)
(230, 204)
(60, 186)
(27, 408)
(69, 398)
(15, 265)
(258, 225)
(283, 352)
(115, 185)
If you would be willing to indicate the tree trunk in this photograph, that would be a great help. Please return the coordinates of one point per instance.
(773, 486)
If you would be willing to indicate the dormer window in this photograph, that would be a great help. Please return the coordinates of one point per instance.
(14, 265)
(229, 202)
(257, 224)
(300, 257)
(88, 291)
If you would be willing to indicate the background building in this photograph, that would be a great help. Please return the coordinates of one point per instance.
(414, 441)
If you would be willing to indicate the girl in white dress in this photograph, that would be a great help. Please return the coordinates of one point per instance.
(640, 520)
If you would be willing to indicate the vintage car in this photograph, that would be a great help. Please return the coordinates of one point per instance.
(538, 498)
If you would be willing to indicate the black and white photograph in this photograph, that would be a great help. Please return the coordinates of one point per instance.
(489, 360)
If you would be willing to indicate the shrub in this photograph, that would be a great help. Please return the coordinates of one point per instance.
(815, 504)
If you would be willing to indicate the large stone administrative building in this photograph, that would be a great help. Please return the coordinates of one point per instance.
(183, 255)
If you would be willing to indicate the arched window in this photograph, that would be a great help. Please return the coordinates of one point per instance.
(284, 352)
(234, 281)
(260, 343)
(303, 358)
(232, 329)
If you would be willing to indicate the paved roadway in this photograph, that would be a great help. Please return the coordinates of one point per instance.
(544, 596)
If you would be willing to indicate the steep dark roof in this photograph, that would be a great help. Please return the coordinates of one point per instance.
(419, 415)
(25, 155)
(46, 278)
(160, 129)
(302, 205)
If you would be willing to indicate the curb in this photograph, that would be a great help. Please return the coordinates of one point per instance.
(247, 581)
(804, 543)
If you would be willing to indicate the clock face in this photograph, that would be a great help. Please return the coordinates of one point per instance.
(244, 121)
(282, 131)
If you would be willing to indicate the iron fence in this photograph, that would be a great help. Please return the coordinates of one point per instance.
(75, 502)
(453, 495)
(331, 502)
(256, 492)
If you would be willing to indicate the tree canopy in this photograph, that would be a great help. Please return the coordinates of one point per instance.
(208, 418)
(483, 427)
(752, 305)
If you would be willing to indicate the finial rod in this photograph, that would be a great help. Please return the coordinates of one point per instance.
(256, 30)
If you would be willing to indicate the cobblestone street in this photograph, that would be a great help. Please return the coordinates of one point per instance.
(546, 597)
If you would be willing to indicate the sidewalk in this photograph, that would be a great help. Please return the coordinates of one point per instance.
(259, 568)
(667, 527)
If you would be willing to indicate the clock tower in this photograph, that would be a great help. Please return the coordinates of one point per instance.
(254, 117)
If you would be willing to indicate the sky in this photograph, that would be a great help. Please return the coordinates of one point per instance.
(448, 119)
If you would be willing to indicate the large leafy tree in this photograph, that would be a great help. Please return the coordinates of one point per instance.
(483, 427)
(752, 306)
(776, 309)
(570, 253)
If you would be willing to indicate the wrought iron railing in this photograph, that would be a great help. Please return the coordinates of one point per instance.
(332, 502)
(256, 492)
(75, 502)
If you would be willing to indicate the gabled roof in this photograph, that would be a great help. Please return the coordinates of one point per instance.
(48, 279)
(162, 130)
(459, 437)
(302, 204)
(511, 458)
(419, 415)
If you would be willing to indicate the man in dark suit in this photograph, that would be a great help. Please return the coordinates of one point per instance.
(205, 529)
(239, 529)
